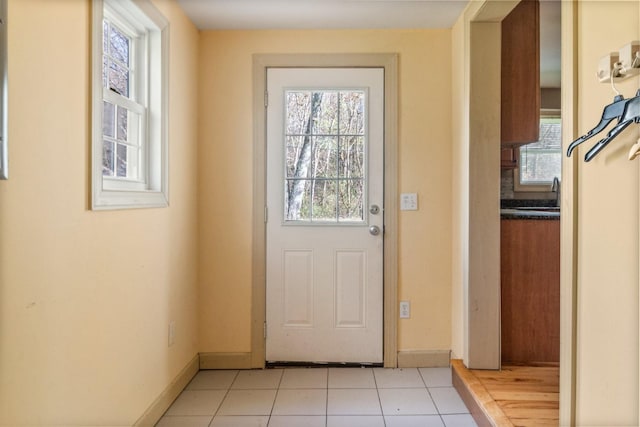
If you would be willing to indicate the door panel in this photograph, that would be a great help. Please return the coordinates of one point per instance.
(297, 302)
(324, 170)
(351, 274)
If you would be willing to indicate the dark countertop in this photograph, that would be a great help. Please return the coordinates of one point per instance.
(544, 209)
(529, 214)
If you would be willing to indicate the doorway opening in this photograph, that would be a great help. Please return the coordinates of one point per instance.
(481, 334)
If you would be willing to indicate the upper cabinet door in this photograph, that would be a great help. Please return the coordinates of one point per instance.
(521, 74)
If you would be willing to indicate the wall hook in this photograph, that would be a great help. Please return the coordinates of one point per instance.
(616, 71)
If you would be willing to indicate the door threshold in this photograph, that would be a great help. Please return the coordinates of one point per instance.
(281, 364)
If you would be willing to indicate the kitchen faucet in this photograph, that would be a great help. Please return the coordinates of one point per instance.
(555, 187)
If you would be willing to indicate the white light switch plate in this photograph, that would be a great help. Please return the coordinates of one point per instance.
(409, 202)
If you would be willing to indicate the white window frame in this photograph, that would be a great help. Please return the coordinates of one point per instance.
(148, 91)
(538, 187)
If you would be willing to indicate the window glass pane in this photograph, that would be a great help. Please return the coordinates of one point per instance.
(351, 159)
(123, 117)
(127, 162)
(119, 45)
(108, 113)
(352, 113)
(297, 200)
(298, 156)
(539, 166)
(350, 200)
(121, 160)
(105, 37)
(298, 113)
(324, 200)
(324, 107)
(105, 73)
(119, 79)
(325, 151)
(541, 161)
(107, 159)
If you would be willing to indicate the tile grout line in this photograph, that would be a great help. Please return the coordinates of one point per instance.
(226, 393)
(432, 399)
(375, 382)
(326, 407)
(431, 396)
(273, 405)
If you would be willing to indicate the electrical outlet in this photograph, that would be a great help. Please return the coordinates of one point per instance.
(405, 309)
(172, 332)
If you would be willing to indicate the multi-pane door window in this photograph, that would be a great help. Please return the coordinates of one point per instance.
(130, 86)
(123, 115)
(325, 160)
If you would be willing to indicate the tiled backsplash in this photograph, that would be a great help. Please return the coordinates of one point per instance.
(506, 184)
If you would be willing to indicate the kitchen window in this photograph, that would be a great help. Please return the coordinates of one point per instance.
(541, 161)
(129, 159)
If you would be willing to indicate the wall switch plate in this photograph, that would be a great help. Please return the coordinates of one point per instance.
(405, 309)
(172, 332)
(409, 202)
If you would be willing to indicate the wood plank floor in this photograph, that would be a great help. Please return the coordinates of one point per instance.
(515, 396)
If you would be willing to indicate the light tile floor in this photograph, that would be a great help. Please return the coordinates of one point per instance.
(322, 397)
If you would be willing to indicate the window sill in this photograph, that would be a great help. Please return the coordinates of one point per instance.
(112, 200)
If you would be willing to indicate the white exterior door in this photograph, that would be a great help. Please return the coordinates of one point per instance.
(325, 168)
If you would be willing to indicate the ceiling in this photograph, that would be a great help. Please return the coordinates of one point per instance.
(322, 14)
(361, 14)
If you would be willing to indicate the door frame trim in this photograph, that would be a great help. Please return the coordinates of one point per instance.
(389, 62)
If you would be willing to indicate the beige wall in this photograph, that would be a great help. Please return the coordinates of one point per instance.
(86, 297)
(225, 176)
(607, 346)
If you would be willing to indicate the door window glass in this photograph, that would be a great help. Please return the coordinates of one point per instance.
(325, 153)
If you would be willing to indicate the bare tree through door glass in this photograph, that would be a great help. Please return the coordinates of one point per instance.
(325, 138)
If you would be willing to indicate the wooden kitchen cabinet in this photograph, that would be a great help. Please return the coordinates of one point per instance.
(509, 157)
(520, 93)
(530, 290)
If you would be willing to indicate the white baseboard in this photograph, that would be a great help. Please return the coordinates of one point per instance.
(424, 359)
(225, 361)
(153, 414)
